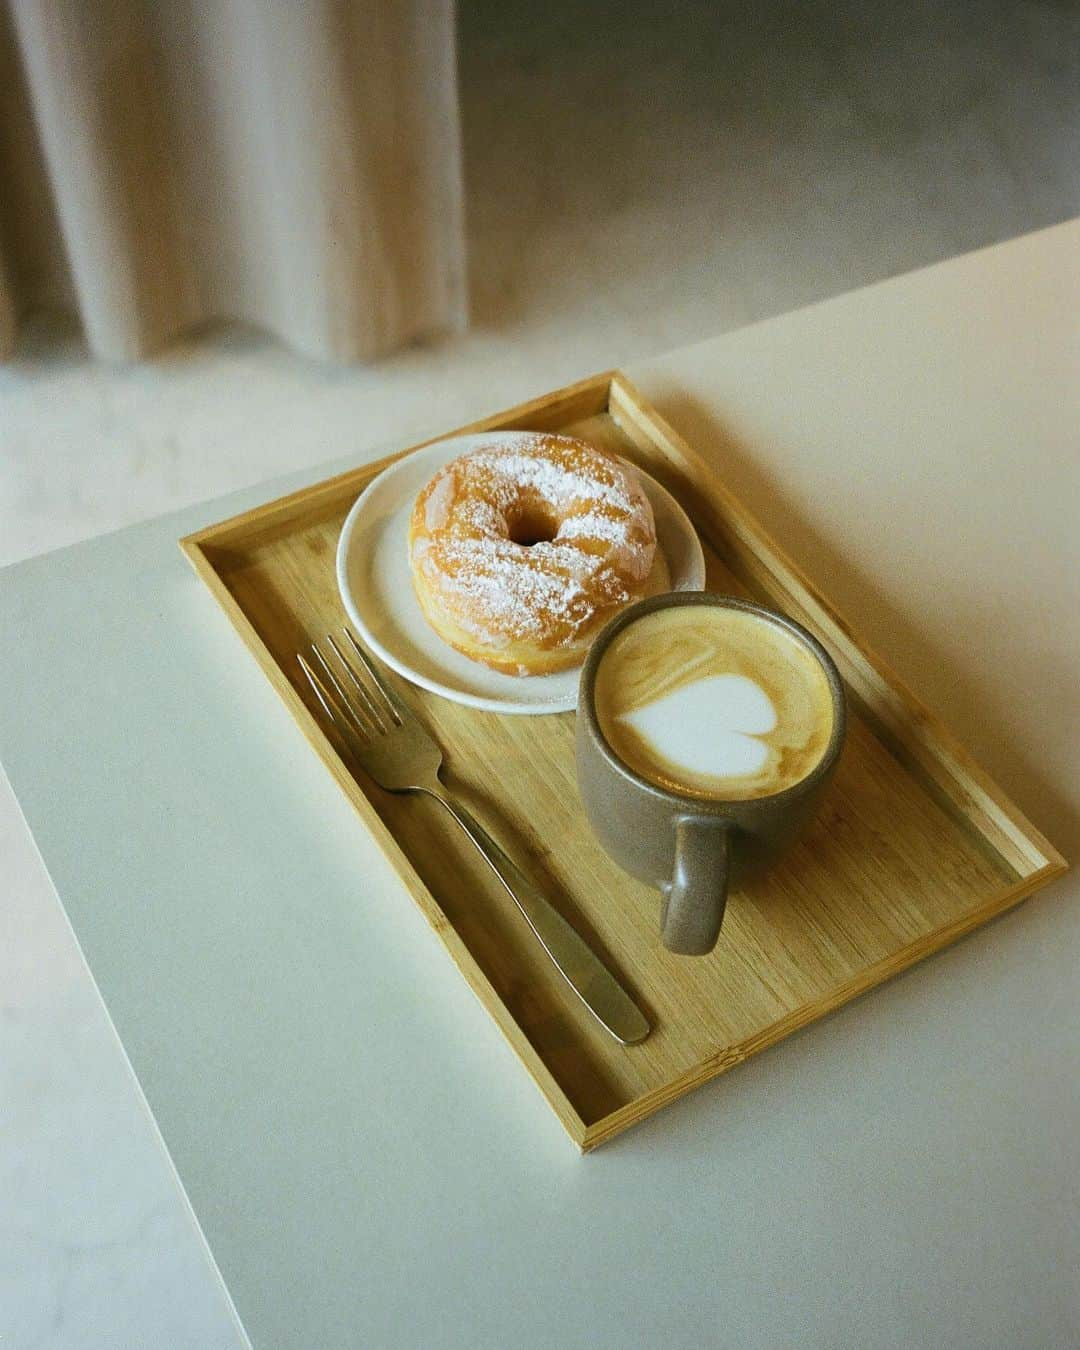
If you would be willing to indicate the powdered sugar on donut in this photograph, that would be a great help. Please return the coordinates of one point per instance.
(437, 508)
(547, 592)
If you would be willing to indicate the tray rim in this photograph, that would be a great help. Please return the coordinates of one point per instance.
(909, 727)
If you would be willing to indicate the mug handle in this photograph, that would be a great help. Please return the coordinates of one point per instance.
(694, 901)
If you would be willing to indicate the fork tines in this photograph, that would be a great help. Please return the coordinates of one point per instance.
(365, 706)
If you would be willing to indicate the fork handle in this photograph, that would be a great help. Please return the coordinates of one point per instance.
(573, 958)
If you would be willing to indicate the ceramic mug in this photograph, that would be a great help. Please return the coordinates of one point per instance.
(692, 848)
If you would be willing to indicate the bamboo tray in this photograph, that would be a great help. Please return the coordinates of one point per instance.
(915, 845)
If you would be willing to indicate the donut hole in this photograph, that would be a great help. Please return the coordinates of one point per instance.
(531, 523)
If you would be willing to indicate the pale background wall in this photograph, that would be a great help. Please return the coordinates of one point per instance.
(638, 176)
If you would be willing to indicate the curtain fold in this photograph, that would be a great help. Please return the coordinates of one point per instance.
(292, 163)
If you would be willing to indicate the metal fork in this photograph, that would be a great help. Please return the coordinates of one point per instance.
(398, 752)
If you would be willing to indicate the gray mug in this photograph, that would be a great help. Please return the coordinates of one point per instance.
(688, 847)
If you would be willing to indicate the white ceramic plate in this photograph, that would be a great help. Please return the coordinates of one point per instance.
(376, 586)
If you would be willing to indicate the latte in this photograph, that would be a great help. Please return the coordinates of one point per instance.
(714, 702)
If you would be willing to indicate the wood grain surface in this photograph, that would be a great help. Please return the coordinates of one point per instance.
(914, 847)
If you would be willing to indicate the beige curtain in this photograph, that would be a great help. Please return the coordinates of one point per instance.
(292, 163)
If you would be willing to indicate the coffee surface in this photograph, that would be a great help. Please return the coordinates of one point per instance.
(714, 702)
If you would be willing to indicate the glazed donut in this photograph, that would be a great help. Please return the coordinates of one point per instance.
(521, 550)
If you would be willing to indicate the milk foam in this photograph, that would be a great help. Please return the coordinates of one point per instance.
(713, 701)
(709, 727)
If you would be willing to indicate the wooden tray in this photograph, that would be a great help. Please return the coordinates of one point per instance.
(915, 845)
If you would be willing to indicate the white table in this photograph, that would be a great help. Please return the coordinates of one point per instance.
(367, 1160)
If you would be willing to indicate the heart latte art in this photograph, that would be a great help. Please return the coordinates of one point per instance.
(714, 702)
(710, 727)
